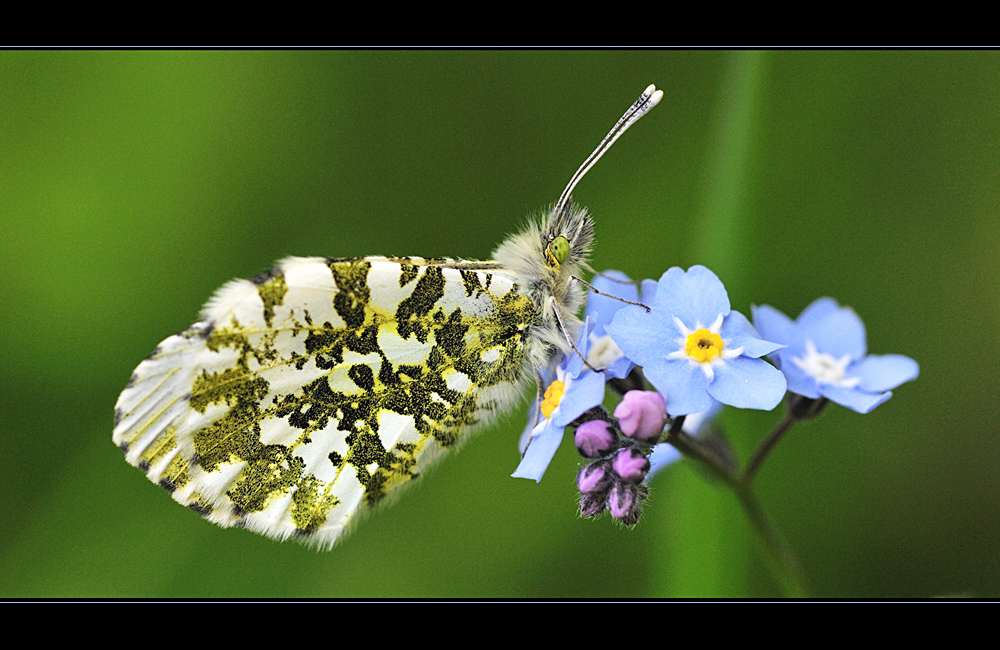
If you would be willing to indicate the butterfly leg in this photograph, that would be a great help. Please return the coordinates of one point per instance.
(569, 339)
(538, 397)
(608, 295)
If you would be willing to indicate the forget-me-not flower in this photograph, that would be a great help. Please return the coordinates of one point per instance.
(574, 389)
(694, 348)
(827, 355)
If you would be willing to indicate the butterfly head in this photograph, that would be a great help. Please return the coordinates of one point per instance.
(567, 236)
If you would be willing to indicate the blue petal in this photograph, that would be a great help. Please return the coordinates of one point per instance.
(835, 333)
(852, 398)
(662, 455)
(773, 325)
(817, 311)
(540, 451)
(548, 376)
(619, 369)
(648, 292)
(584, 393)
(695, 422)
(684, 387)
(604, 308)
(799, 382)
(738, 332)
(617, 283)
(572, 363)
(884, 372)
(522, 443)
(642, 336)
(748, 384)
(696, 297)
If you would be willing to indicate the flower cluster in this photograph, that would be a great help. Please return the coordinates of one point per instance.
(574, 389)
(826, 355)
(698, 354)
(621, 447)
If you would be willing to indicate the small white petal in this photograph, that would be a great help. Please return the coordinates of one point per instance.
(731, 353)
(824, 368)
(717, 325)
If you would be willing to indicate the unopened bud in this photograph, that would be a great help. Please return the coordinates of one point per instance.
(630, 465)
(642, 414)
(594, 438)
(623, 504)
(591, 505)
(593, 478)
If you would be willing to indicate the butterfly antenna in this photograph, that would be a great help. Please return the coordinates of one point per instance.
(647, 100)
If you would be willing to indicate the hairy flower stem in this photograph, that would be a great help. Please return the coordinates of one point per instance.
(780, 560)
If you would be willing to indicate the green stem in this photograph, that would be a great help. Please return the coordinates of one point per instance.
(693, 449)
(765, 448)
(781, 561)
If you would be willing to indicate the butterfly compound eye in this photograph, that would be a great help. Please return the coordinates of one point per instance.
(557, 251)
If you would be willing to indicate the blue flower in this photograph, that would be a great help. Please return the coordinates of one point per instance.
(827, 356)
(693, 348)
(573, 389)
(603, 351)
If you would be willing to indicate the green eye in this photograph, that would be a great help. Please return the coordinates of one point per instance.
(558, 250)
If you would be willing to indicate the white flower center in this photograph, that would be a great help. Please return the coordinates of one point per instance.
(603, 351)
(708, 362)
(824, 368)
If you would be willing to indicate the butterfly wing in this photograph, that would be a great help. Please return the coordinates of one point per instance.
(304, 397)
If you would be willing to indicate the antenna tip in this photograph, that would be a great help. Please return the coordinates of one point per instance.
(654, 96)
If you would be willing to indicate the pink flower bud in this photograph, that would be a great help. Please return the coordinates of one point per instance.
(592, 479)
(642, 414)
(591, 505)
(620, 501)
(594, 438)
(630, 465)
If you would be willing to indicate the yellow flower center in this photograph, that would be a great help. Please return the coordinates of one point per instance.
(553, 394)
(703, 346)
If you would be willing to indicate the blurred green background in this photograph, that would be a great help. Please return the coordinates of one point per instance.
(133, 184)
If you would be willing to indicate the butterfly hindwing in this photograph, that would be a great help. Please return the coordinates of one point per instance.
(304, 397)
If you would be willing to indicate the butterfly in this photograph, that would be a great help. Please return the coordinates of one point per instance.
(305, 397)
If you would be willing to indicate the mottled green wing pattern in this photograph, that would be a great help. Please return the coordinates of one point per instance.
(304, 397)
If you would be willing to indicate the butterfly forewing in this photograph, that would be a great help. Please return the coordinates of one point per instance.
(307, 395)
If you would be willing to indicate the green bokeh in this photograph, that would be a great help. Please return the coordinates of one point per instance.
(133, 184)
